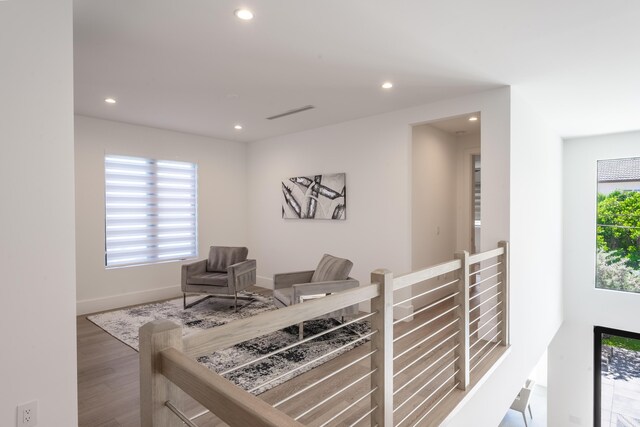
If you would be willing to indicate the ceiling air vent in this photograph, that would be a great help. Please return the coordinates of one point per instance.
(290, 112)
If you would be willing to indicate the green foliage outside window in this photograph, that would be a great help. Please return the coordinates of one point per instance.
(621, 342)
(618, 241)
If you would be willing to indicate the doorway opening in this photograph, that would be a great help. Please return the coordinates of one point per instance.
(446, 189)
(446, 194)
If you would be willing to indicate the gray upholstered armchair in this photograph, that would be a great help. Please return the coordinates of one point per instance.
(331, 275)
(226, 272)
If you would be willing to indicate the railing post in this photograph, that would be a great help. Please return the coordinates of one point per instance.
(504, 288)
(155, 388)
(462, 301)
(382, 341)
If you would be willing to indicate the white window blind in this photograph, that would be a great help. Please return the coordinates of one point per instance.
(151, 210)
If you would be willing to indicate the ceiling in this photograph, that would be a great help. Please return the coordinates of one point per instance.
(192, 66)
(460, 125)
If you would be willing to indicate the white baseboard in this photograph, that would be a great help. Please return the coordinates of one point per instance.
(402, 311)
(264, 282)
(122, 300)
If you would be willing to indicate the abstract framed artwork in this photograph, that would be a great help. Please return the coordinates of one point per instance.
(315, 197)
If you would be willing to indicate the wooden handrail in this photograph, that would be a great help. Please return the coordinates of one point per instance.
(229, 402)
(483, 256)
(409, 279)
(238, 331)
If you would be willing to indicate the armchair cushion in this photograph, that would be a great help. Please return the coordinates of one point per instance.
(209, 278)
(332, 268)
(221, 257)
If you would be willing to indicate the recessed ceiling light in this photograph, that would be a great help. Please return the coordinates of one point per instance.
(387, 85)
(244, 14)
(473, 119)
(238, 127)
(110, 101)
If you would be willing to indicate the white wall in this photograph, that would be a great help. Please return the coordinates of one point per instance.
(222, 207)
(540, 372)
(375, 153)
(37, 259)
(571, 353)
(434, 200)
(535, 192)
(536, 234)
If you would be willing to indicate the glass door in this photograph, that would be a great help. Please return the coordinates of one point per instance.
(617, 378)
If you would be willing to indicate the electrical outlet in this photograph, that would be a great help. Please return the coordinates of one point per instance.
(28, 414)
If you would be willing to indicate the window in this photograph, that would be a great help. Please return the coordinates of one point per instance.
(616, 378)
(150, 210)
(618, 225)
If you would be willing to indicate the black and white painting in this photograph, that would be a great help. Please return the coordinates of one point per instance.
(315, 197)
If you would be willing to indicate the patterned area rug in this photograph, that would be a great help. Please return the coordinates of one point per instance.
(255, 378)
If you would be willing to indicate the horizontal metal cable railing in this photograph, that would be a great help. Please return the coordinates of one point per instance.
(463, 309)
(488, 324)
(409, 371)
